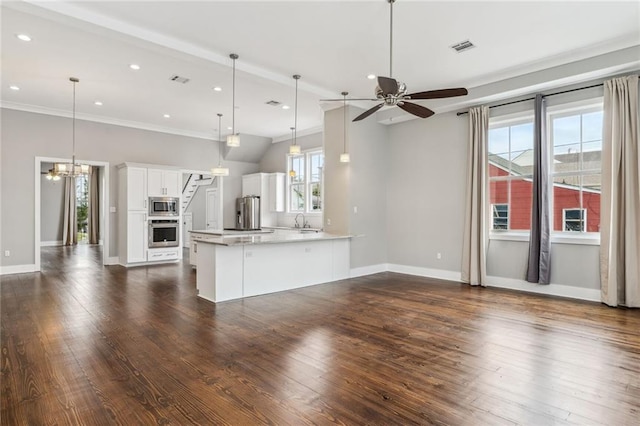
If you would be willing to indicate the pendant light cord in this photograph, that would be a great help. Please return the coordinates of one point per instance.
(344, 122)
(295, 114)
(391, 39)
(233, 94)
(219, 140)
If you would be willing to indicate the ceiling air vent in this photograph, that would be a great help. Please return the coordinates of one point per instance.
(179, 79)
(463, 46)
(273, 103)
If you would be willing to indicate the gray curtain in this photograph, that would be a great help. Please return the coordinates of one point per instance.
(69, 222)
(539, 267)
(475, 242)
(620, 200)
(94, 205)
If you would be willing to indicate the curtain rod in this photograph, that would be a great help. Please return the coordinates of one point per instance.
(544, 96)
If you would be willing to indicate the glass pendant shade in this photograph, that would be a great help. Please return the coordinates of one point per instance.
(292, 173)
(220, 171)
(344, 158)
(233, 140)
(294, 149)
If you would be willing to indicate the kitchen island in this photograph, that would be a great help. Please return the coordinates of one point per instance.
(236, 266)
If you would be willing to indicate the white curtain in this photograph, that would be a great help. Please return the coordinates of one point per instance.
(69, 222)
(474, 254)
(620, 200)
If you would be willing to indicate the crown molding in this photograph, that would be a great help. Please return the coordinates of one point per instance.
(305, 132)
(104, 120)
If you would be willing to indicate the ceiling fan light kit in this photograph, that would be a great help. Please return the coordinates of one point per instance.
(233, 140)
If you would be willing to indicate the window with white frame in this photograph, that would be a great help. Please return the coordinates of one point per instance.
(304, 184)
(574, 220)
(500, 214)
(511, 173)
(575, 147)
(575, 136)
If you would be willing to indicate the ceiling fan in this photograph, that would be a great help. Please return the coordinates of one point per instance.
(394, 93)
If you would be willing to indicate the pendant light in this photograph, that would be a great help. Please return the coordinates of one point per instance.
(344, 157)
(72, 169)
(233, 139)
(219, 170)
(294, 149)
(292, 173)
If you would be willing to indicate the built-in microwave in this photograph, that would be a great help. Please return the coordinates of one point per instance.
(164, 206)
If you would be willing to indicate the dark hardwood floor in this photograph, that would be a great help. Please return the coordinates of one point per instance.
(86, 344)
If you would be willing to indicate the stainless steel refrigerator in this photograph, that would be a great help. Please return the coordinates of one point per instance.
(248, 212)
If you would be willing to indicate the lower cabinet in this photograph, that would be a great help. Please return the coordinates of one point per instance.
(136, 236)
(154, 255)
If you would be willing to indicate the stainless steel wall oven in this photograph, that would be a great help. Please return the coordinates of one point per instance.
(164, 233)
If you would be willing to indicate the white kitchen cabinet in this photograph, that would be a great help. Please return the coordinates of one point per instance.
(136, 188)
(163, 183)
(136, 239)
(270, 188)
(276, 192)
(163, 254)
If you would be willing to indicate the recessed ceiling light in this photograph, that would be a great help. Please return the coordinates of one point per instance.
(14, 88)
(285, 107)
(23, 37)
(135, 67)
(217, 89)
(371, 76)
(166, 116)
(98, 103)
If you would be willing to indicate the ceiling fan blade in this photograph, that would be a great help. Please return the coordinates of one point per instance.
(368, 112)
(416, 109)
(388, 85)
(349, 99)
(436, 94)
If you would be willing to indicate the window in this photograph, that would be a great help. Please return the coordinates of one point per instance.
(500, 213)
(575, 147)
(305, 192)
(511, 173)
(576, 141)
(574, 219)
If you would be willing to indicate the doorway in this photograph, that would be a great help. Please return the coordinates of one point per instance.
(49, 208)
(213, 209)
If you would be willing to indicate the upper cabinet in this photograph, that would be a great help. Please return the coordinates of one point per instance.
(163, 183)
(134, 181)
(270, 188)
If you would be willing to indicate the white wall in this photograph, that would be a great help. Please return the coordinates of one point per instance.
(27, 135)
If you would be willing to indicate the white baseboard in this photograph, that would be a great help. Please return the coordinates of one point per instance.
(368, 270)
(440, 274)
(115, 260)
(561, 290)
(50, 243)
(17, 269)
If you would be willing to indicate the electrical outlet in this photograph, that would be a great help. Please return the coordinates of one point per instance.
(328, 222)
(439, 256)
(7, 253)
(355, 209)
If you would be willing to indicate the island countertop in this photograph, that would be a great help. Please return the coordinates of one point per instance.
(270, 238)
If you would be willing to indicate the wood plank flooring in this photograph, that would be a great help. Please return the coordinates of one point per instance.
(86, 344)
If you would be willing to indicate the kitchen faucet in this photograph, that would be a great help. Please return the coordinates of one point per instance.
(305, 224)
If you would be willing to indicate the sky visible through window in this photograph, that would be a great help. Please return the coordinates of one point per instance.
(566, 136)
